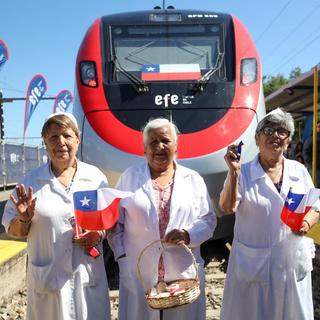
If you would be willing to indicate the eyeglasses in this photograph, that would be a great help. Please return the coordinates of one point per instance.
(282, 133)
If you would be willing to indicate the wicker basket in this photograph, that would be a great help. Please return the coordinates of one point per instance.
(192, 286)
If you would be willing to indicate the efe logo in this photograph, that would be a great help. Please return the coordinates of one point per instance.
(166, 99)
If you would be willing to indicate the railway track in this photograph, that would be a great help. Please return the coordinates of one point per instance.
(15, 307)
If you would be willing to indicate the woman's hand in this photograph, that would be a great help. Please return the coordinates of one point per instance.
(177, 236)
(232, 158)
(88, 239)
(24, 204)
(311, 218)
(305, 227)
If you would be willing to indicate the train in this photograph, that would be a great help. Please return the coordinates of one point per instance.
(199, 69)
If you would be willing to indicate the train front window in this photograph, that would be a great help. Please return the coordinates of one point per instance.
(190, 48)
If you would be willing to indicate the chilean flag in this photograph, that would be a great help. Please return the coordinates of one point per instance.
(160, 72)
(98, 209)
(297, 206)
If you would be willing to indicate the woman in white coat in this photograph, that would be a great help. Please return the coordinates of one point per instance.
(170, 203)
(63, 281)
(269, 270)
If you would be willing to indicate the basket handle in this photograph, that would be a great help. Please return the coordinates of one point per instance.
(161, 241)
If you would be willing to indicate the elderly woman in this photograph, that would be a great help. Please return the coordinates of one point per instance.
(170, 203)
(269, 271)
(63, 281)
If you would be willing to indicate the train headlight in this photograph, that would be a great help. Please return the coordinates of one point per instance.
(248, 71)
(88, 74)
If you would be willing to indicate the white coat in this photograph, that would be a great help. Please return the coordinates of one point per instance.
(138, 226)
(63, 283)
(269, 270)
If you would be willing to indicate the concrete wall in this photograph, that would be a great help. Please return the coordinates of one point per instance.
(12, 275)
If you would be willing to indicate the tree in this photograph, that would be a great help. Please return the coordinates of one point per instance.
(273, 83)
(295, 73)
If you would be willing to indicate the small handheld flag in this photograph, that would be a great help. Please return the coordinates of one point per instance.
(297, 206)
(98, 209)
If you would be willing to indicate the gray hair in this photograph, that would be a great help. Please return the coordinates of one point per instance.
(157, 123)
(277, 116)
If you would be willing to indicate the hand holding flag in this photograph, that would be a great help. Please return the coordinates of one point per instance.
(77, 231)
(98, 209)
(297, 206)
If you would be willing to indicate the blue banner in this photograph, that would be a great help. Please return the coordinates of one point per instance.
(62, 101)
(4, 54)
(36, 90)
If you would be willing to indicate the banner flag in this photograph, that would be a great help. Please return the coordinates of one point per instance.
(62, 101)
(36, 89)
(98, 209)
(4, 54)
(296, 206)
(158, 72)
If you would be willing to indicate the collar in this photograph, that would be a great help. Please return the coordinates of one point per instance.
(257, 171)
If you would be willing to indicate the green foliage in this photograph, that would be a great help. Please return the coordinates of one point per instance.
(273, 83)
(295, 73)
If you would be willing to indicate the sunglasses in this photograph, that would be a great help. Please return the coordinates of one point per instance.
(282, 133)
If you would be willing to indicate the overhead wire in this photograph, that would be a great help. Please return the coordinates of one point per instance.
(293, 30)
(273, 21)
(18, 90)
(282, 64)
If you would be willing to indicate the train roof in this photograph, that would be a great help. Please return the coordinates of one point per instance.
(139, 17)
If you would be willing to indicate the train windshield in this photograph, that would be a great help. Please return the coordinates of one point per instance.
(199, 48)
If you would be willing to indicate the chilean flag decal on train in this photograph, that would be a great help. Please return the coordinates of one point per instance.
(158, 72)
(297, 206)
(98, 209)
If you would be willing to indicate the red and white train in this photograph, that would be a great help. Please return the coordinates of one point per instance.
(200, 69)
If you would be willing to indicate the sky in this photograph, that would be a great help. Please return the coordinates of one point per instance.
(43, 37)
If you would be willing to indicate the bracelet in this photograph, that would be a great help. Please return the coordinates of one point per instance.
(187, 236)
(24, 222)
(307, 222)
(101, 235)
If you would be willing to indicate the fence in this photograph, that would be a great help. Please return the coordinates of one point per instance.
(16, 159)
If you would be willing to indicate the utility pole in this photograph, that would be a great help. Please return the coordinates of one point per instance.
(1, 117)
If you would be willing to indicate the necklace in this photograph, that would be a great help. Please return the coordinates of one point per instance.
(278, 185)
(68, 187)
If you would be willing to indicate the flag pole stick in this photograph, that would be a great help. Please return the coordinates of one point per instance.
(315, 120)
